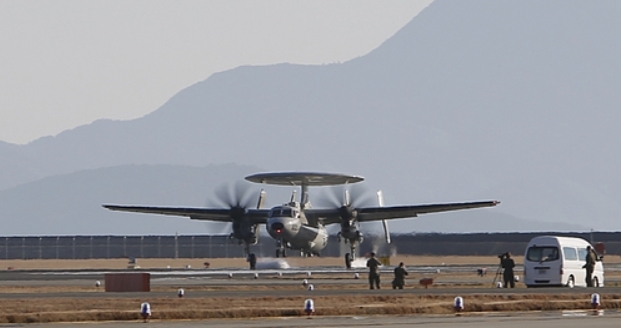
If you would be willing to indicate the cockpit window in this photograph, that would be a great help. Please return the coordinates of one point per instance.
(542, 254)
(282, 211)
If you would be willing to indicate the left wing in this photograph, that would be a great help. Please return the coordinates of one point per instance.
(208, 214)
(366, 214)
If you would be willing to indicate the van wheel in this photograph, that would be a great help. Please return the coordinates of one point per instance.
(595, 282)
(570, 282)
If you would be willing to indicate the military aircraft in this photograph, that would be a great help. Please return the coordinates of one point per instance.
(296, 224)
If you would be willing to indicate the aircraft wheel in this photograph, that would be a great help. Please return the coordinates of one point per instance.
(252, 259)
(348, 261)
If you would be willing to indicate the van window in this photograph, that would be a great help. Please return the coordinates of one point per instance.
(582, 253)
(570, 254)
(542, 254)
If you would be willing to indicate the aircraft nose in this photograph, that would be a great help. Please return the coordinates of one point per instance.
(277, 227)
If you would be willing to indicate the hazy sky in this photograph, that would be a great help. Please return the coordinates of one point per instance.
(68, 63)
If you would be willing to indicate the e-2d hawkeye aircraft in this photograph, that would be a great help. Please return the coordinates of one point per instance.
(296, 225)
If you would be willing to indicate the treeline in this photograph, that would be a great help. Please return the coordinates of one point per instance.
(484, 244)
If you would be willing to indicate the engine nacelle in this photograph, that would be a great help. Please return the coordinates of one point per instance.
(352, 235)
(245, 232)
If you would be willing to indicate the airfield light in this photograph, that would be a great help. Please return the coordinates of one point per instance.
(595, 301)
(458, 304)
(145, 311)
(309, 306)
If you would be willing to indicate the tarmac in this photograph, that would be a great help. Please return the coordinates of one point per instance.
(565, 319)
(574, 319)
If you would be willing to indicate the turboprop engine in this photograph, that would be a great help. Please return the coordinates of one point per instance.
(238, 198)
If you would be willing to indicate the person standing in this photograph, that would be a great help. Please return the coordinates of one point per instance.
(508, 264)
(400, 274)
(374, 275)
(591, 258)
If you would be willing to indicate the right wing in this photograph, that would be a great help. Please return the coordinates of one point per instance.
(366, 214)
(208, 214)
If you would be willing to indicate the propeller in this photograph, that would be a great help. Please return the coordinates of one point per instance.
(347, 199)
(354, 196)
(237, 197)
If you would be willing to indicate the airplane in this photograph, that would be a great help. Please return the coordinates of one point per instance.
(296, 224)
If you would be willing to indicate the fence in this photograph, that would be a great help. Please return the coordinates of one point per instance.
(97, 247)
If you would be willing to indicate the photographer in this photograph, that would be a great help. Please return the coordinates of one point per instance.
(507, 264)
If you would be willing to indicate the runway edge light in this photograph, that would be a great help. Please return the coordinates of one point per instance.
(145, 311)
(458, 304)
(309, 306)
(595, 301)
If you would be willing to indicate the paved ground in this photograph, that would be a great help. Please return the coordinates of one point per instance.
(576, 319)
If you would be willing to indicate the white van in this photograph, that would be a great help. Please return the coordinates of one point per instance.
(558, 261)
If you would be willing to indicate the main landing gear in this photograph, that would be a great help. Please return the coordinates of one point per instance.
(252, 260)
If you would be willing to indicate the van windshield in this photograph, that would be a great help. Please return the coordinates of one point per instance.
(542, 254)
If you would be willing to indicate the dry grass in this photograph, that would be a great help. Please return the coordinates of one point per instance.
(237, 262)
(483, 261)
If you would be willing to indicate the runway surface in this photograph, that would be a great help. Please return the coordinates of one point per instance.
(575, 319)
(321, 278)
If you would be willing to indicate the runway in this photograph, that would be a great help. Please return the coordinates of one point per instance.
(286, 283)
(518, 320)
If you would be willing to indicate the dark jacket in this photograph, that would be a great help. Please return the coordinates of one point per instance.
(373, 265)
(508, 264)
(400, 274)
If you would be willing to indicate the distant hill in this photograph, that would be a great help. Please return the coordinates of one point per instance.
(45, 207)
(490, 99)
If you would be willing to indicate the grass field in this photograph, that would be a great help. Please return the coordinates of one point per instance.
(215, 263)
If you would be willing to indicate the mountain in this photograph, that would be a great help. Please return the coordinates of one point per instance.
(71, 204)
(489, 99)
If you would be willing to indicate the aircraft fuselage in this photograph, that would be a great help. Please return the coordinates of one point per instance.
(288, 224)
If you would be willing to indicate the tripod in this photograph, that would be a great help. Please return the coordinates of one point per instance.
(499, 273)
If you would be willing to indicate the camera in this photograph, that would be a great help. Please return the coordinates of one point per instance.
(502, 256)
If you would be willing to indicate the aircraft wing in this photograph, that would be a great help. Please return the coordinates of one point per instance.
(409, 211)
(366, 214)
(208, 214)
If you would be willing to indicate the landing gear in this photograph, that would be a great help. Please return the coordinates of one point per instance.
(280, 249)
(348, 260)
(252, 260)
